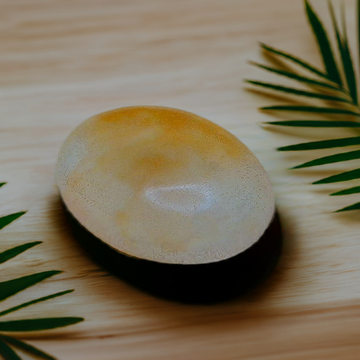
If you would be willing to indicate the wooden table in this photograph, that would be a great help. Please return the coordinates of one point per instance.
(63, 61)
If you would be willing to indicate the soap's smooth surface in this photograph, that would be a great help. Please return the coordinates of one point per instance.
(164, 185)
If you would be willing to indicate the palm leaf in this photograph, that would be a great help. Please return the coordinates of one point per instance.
(11, 253)
(297, 77)
(7, 352)
(352, 155)
(32, 302)
(345, 176)
(332, 75)
(26, 347)
(315, 123)
(296, 60)
(38, 324)
(311, 109)
(324, 44)
(323, 144)
(6, 220)
(298, 92)
(11, 287)
(353, 190)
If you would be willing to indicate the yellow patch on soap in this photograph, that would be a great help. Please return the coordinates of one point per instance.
(174, 128)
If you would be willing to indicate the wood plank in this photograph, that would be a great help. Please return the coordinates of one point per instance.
(61, 62)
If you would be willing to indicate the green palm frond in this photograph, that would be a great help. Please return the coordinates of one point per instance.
(336, 83)
(11, 287)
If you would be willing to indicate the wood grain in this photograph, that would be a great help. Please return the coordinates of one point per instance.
(64, 61)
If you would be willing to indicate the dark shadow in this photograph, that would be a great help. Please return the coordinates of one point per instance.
(197, 284)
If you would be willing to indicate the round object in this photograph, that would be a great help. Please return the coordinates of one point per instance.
(163, 190)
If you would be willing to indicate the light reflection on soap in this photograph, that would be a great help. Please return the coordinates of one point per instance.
(188, 199)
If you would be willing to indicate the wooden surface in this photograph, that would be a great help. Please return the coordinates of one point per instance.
(64, 61)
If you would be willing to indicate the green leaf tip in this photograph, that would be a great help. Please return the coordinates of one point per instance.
(344, 176)
(11, 253)
(38, 324)
(349, 208)
(12, 287)
(2, 184)
(353, 190)
(26, 347)
(8, 219)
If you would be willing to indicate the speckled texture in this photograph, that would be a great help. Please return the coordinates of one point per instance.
(164, 185)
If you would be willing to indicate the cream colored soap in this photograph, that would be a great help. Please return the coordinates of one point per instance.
(164, 185)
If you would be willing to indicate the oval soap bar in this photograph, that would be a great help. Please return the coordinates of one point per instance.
(159, 194)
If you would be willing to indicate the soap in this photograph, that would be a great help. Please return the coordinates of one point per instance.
(170, 202)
